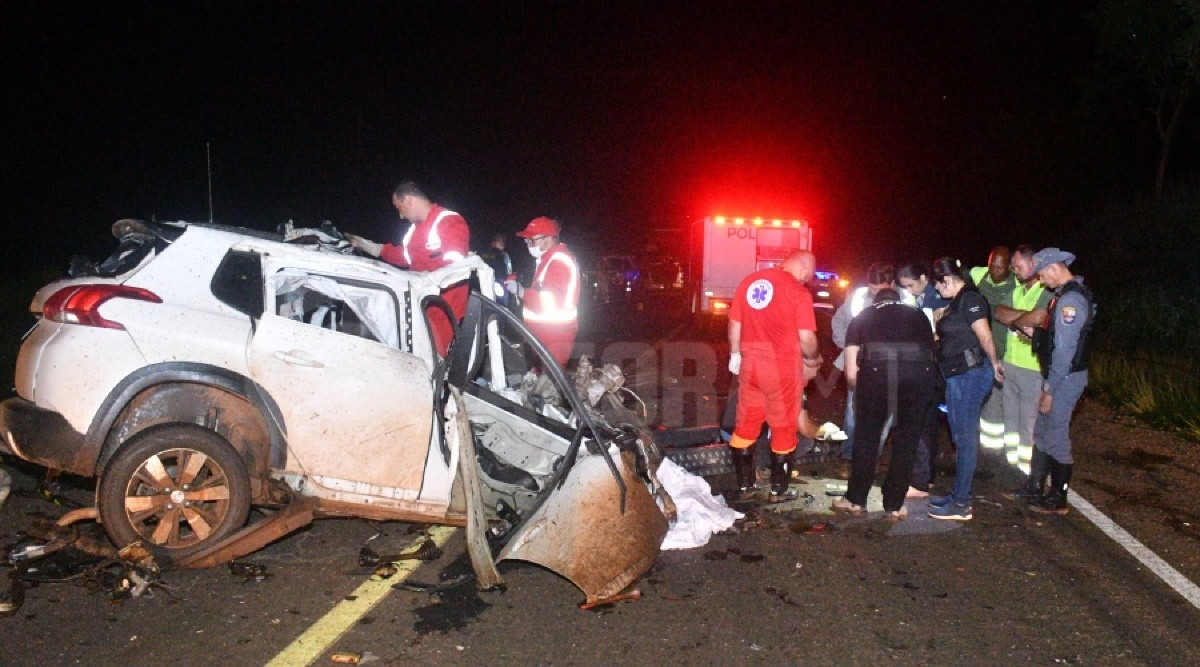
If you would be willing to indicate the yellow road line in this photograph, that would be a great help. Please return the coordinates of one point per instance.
(322, 634)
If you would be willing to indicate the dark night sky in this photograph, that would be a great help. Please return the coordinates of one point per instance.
(900, 130)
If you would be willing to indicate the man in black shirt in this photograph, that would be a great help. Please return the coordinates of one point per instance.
(890, 365)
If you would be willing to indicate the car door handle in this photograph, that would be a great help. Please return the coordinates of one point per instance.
(298, 358)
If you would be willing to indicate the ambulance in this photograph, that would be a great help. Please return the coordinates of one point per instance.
(732, 248)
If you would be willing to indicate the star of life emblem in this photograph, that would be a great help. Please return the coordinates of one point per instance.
(760, 293)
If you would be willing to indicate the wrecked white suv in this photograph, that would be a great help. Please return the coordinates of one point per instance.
(201, 370)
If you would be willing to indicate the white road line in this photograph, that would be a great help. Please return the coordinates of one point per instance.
(1173, 577)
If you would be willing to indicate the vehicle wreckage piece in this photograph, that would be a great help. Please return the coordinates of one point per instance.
(581, 533)
(477, 546)
(5, 486)
(297, 514)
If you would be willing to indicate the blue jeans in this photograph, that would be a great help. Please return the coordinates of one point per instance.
(965, 394)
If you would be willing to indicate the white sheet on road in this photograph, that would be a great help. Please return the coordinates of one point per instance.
(700, 513)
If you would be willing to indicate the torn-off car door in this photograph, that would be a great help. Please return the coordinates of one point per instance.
(593, 520)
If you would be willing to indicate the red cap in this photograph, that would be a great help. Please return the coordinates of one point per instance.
(539, 226)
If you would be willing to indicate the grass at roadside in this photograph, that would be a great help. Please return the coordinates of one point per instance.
(1163, 392)
(1146, 357)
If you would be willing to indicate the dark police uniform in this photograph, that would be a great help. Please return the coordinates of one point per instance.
(897, 374)
(1062, 349)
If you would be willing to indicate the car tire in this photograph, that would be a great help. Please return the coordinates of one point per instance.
(177, 488)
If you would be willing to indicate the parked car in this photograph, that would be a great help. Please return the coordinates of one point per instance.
(201, 370)
(636, 278)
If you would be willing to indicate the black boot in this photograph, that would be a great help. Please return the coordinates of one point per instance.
(743, 468)
(1055, 502)
(781, 477)
(1031, 490)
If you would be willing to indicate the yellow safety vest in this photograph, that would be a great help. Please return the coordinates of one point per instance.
(1018, 350)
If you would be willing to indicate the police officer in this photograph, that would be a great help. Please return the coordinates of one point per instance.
(1062, 348)
(880, 275)
(890, 365)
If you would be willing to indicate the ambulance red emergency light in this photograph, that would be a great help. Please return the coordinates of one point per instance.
(733, 248)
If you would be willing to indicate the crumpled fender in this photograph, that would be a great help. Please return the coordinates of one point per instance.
(581, 533)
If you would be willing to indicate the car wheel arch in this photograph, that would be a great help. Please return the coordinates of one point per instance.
(222, 400)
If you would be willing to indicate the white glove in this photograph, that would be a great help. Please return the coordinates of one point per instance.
(514, 288)
(370, 247)
(735, 362)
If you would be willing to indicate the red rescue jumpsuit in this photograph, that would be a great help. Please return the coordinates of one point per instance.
(552, 302)
(772, 307)
(440, 240)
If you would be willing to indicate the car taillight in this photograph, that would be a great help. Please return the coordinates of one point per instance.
(80, 304)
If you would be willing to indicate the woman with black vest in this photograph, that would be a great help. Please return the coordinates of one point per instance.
(968, 361)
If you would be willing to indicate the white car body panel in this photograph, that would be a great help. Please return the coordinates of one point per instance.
(354, 409)
(77, 368)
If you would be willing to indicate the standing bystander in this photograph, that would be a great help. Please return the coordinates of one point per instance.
(890, 365)
(880, 275)
(996, 283)
(1022, 374)
(967, 359)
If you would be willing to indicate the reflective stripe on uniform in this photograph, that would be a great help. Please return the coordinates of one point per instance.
(433, 240)
(990, 441)
(452, 256)
(1012, 442)
(1024, 457)
(412, 227)
(548, 310)
(991, 434)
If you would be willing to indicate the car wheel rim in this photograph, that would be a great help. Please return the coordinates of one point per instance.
(177, 498)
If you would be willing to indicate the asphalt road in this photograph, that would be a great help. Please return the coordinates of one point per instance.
(798, 586)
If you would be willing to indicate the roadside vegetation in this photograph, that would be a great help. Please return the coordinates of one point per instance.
(1145, 357)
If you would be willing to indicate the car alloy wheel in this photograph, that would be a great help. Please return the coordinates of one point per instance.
(178, 488)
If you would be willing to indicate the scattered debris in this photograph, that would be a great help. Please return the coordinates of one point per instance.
(248, 572)
(385, 571)
(453, 582)
(12, 599)
(367, 557)
(66, 555)
(346, 658)
(630, 593)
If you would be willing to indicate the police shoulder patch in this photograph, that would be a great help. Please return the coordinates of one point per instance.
(1068, 314)
(760, 293)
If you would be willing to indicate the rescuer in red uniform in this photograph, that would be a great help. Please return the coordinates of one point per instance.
(552, 302)
(437, 237)
(773, 347)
